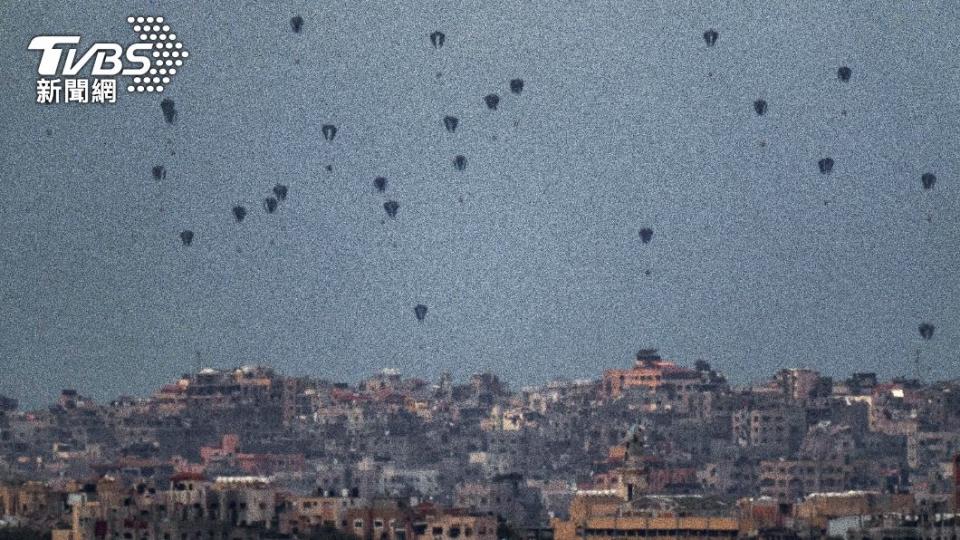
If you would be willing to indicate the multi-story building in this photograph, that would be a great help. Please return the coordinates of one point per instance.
(649, 371)
(791, 479)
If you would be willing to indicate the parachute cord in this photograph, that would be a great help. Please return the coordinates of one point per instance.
(201, 320)
(917, 372)
(187, 286)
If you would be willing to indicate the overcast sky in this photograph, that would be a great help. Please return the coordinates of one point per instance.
(627, 120)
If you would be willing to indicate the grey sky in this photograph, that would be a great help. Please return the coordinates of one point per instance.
(539, 273)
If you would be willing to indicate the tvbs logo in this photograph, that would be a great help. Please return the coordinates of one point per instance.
(150, 63)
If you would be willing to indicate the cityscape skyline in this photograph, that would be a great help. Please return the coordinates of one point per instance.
(759, 379)
(654, 449)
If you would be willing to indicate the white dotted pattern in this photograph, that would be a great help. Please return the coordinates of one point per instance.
(168, 52)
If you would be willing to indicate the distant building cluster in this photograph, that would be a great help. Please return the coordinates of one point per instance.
(654, 450)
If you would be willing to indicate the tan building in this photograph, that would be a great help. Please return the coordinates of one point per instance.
(649, 371)
(797, 384)
(235, 509)
(791, 479)
(306, 513)
(779, 427)
(32, 501)
(819, 508)
(452, 525)
(601, 516)
(388, 520)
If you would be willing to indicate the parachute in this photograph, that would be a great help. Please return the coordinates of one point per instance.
(280, 191)
(270, 204)
(391, 208)
(516, 86)
(329, 131)
(492, 101)
(296, 23)
(169, 110)
(926, 330)
(420, 311)
(928, 180)
(844, 73)
(186, 237)
(646, 234)
(710, 37)
(380, 183)
(451, 123)
(239, 213)
(760, 106)
(460, 163)
(825, 165)
(159, 172)
(437, 38)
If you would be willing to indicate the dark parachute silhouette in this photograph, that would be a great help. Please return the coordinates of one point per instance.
(516, 86)
(380, 183)
(825, 165)
(492, 101)
(420, 311)
(460, 163)
(159, 172)
(270, 204)
(296, 23)
(844, 74)
(391, 208)
(186, 237)
(280, 191)
(329, 131)
(646, 234)
(239, 213)
(437, 38)
(169, 110)
(711, 36)
(928, 180)
(926, 332)
(451, 123)
(760, 106)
